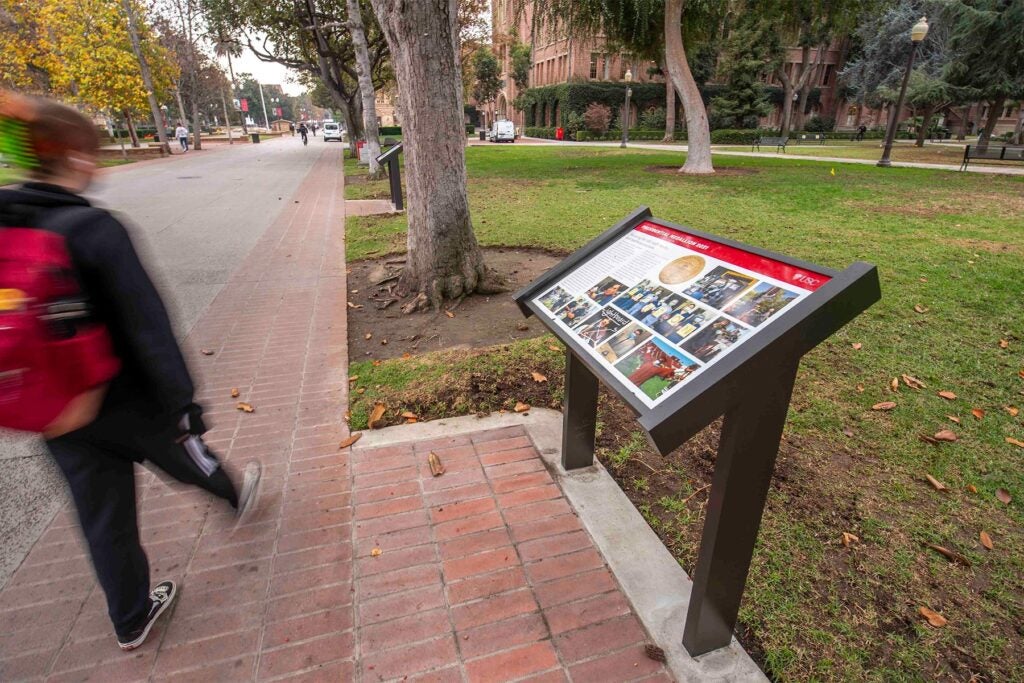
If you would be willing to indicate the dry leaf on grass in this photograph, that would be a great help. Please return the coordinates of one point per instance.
(913, 382)
(206, 352)
(849, 432)
(376, 363)
(948, 395)
(978, 413)
(234, 393)
(521, 407)
(375, 415)
(350, 440)
(1012, 410)
(449, 314)
(849, 539)
(436, 468)
(860, 388)
(552, 347)
(954, 418)
(944, 435)
(971, 488)
(894, 384)
(884, 405)
(950, 555)
(409, 415)
(537, 377)
(368, 335)
(376, 552)
(939, 486)
(245, 407)
(920, 309)
(856, 346)
(1004, 343)
(353, 378)
(1004, 496)
(986, 540)
(1014, 442)
(933, 617)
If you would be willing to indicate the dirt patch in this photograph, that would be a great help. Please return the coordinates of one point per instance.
(474, 322)
(984, 245)
(1002, 205)
(720, 171)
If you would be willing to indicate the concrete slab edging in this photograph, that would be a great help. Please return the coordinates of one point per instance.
(651, 578)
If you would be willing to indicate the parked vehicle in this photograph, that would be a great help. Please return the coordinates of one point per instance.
(503, 131)
(332, 131)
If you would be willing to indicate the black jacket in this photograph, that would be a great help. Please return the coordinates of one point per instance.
(154, 379)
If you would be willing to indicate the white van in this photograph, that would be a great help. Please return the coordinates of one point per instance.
(332, 131)
(503, 131)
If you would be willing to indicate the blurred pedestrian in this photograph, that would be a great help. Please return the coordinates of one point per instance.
(181, 132)
(138, 402)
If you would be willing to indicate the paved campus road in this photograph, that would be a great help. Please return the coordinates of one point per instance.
(194, 218)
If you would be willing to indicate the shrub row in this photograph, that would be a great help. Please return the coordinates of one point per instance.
(634, 134)
(390, 130)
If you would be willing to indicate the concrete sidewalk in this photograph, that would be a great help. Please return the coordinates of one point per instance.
(485, 573)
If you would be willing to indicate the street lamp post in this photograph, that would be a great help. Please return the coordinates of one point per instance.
(625, 110)
(263, 102)
(917, 34)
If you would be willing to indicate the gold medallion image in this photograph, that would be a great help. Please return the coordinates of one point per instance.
(682, 269)
(11, 299)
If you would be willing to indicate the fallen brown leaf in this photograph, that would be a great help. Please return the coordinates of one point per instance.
(375, 415)
(234, 393)
(350, 440)
(927, 439)
(856, 346)
(849, 539)
(920, 309)
(383, 342)
(406, 356)
(860, 388)
(950, 555)
(971, 488)
(654, 652)
(1014, 442)
(948, 395)
(849, 432)
(913, 382)
(376, 363)
(1004, 343)
(552, 347)
(954, 418)
(361, 390)
(894, 384)
(939, 486)
(945, 435)
(1012, 410)
(521, 407)
(933, 617)
(537, 377)
(353, 378)
(368, 335)
(376, 552)
(449, 314)
(986, 540)
(1021, 373)
(411, 420)
(352, 305)
(245, 407)
(884, 405)
(436, 468)
(978, 413)
(1004, 496)
(206, 352)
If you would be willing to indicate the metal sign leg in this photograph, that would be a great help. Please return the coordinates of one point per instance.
(579, 418)
(749, 443)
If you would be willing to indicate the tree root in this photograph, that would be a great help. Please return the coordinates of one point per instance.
(454, 288)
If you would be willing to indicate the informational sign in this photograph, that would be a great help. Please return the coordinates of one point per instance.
(658, 306)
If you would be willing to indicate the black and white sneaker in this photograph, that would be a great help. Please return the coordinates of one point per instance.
(161, 596)
(250, 493)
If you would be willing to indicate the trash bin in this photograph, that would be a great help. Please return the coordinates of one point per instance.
(255, 137)
(559, 133)
(483, 134)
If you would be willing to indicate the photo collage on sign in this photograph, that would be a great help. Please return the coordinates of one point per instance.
(667, 326)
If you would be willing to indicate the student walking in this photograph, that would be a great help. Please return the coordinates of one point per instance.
(181, 132)
(138, 403)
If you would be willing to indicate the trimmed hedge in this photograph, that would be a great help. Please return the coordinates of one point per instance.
(736, 136)
(390, 130)
(535, 132)
(634, 134)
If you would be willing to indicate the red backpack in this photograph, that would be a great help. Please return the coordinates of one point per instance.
(51, 349)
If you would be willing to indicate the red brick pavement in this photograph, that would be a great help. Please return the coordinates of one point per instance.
(484, 574)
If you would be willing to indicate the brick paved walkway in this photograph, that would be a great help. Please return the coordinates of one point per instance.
(484, 574)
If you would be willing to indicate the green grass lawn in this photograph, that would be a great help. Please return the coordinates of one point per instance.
(872, 150)
(950, 243)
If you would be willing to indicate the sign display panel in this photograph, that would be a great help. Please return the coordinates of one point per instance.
(658, 306)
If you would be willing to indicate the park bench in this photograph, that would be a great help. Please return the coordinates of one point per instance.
(777, 143)
(992, 152)
(813, 137)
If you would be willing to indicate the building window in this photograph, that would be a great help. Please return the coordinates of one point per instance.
(624, 66)
(593, 65)
(829, 68)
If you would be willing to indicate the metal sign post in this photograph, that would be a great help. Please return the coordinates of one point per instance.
(390, 158)
(686, 327)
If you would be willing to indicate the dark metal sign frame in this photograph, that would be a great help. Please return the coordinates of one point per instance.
(751, 386)
(390, 158)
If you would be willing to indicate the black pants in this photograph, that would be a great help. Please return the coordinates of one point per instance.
(99, 462)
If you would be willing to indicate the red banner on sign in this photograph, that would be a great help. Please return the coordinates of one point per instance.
(763, 265)
(245, 104)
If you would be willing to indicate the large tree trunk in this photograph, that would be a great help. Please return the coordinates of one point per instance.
(698, 134)
(995, 108)
(181, 105)
(964, 115)
(366, 92)
(926, 120)
(241, 114)
(147, 76)
(805, 89)
(670, 107)
(227, 121)
(444, 260)
(1018, 130)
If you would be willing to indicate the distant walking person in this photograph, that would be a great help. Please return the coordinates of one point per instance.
(131, 399)
(181, 132)
(860, 131)
(314, 129)
(304, 132)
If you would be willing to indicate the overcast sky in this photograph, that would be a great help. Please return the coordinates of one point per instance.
(265, 72)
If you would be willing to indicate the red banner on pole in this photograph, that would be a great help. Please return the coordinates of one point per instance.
(245, 104)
